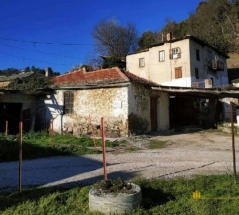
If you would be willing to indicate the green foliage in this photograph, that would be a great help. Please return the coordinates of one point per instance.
(148, 39)
(110, 62)
(155, 144)
(30, 84)
(39, 144)
(9, 71)
(88, 68)
(160, 196)
(214, 21)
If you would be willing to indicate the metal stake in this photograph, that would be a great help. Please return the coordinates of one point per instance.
(103, 147)
(20, 156)
(233, 143)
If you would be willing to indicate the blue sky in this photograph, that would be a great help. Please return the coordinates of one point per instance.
(72, 22)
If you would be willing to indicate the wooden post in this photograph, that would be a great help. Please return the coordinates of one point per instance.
(103, 146)
(20, 157)
(233, 143)
(6, 129)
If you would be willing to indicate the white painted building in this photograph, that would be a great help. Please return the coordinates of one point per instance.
(182, 62)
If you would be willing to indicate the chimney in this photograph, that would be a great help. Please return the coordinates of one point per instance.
(169, 36)
(48, 72)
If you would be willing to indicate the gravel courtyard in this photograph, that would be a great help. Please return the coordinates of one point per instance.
(184, 154)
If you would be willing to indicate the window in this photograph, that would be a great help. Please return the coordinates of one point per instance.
(68, 102)
(141, 62)
(174, 53)
(196, 73)
(178, 72)
(197, 54)
(161, 56)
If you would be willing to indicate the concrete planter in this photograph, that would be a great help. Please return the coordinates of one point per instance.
(114, 202)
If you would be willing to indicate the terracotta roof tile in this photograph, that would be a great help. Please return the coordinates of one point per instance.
(140, 80)
(100, 77)
(104, 75)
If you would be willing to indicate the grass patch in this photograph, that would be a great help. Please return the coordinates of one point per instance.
(132, 149)
(160, 196)
(38, 145)
(155, 144)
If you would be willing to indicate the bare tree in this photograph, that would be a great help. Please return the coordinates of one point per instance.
(114, 40)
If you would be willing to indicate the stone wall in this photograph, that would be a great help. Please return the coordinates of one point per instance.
(139, 109)
(126, 111)
(89, 106)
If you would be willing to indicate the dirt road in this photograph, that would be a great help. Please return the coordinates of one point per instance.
(183, 155)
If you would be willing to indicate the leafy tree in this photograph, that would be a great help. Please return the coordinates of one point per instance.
(9, 72)
(27, 69)
(214, 21)
(88, 68)
(148, 39)
(33, 68)
(110, 62)
(114, 40)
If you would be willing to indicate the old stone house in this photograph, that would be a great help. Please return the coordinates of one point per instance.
(126, 101)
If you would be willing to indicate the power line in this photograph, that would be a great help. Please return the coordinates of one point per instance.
(33, 59)
(48, 43)
(54, 43)
(39, 51)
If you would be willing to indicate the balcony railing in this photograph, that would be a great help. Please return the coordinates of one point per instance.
(216, 65)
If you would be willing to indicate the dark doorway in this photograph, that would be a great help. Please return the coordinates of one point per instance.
(10, 112)
(153, 113)
(183, 112)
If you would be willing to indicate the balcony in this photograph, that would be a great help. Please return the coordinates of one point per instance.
(216, 65)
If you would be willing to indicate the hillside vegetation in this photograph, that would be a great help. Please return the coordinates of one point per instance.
(214, 21)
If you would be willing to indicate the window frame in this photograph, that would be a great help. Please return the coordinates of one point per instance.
(141, 62)
(161, 57)
(198, 54)
(173, 52)
(68, 99)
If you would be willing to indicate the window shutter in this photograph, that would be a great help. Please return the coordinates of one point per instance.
(170, 54)
(179, 52)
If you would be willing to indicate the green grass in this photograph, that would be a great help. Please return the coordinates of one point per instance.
(155, 144)
(160, 196)
(132, 149)
(39, 144)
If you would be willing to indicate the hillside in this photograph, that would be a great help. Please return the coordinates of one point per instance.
(233, 66)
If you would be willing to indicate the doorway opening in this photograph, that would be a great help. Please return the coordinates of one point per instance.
(10, 112)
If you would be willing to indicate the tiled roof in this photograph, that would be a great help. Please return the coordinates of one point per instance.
(99, 77)
(135, 78)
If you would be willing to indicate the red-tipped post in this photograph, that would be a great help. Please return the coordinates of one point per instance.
(6, 129)
(103, 147)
